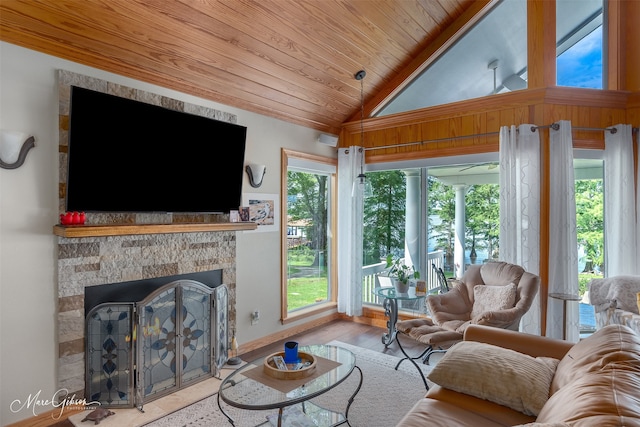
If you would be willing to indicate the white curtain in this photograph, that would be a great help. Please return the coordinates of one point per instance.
(621, 254)
(563, 241)
(520, 207)
(350, 215)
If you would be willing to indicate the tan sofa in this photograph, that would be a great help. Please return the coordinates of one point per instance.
(595, 382)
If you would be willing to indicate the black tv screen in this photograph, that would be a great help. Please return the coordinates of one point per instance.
(129, 156)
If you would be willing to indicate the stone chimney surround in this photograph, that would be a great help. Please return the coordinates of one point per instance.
(121, 247)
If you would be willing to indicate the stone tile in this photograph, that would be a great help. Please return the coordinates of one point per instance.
(71, 325)
(71, 371)
(70, 303)
(69, 348)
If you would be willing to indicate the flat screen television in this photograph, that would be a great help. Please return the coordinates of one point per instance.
(130, 156)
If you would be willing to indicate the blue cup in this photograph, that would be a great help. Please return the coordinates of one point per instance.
(291, 352)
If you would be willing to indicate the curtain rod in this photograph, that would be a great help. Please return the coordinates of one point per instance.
(554, 126)
(426, 141)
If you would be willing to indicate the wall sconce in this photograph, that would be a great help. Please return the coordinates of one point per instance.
(256, 174)
(13, 148)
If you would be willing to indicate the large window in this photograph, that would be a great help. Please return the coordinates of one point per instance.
(490, 56)
(388, 229)
(469, 193)
(589, 190)
(308, 281)
(384, 216)
(579, 43)
(450, 219)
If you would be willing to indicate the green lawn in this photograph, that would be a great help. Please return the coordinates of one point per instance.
(304, 289)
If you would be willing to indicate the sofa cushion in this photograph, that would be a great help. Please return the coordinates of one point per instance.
(497, 374)
(611, 343)
(435, 413)
(536, 424)
(607, 397)
(492, 298)
(463, 402)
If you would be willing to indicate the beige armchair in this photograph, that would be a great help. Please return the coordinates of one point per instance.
(494, 294)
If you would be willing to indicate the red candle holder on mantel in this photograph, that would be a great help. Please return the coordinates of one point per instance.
(72, 218)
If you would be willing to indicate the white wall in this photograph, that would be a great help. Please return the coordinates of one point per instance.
(29, 209)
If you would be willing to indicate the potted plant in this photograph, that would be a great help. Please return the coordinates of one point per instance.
(401, 272)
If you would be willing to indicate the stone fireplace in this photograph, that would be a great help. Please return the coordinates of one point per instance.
(94, 261)
(121, 247)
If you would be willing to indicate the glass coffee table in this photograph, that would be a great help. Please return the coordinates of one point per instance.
(248, 387)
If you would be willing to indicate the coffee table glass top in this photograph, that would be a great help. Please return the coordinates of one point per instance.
(242, 391)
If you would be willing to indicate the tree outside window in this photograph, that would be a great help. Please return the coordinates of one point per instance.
(307, 251)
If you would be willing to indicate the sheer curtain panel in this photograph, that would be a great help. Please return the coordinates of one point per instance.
(621, 254)
(563, 241)
(520, 207)
(350, 213)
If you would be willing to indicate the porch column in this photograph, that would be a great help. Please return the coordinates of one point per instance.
(458, 248)
(412, 219)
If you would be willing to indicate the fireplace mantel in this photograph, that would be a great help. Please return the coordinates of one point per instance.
(98, 230)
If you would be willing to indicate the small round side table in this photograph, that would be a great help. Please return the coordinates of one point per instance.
(565, 298)
(390, 305)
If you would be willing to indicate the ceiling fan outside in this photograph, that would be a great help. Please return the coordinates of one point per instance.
(491, 165)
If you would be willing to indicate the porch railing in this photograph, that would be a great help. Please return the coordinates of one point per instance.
(370, 273)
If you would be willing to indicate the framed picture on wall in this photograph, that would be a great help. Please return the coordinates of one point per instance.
(264, 210)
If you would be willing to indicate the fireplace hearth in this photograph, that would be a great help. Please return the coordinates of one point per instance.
(155, 343)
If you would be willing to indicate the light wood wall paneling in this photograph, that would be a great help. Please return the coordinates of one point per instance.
(541, 43)
(584, 107)
(630, 51)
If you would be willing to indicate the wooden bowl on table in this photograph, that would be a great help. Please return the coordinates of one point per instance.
(308, 368)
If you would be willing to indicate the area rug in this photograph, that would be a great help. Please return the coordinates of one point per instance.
(386, 395)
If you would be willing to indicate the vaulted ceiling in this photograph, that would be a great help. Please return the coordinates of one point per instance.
(293, 60)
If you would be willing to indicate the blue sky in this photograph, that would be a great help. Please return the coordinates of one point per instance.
(581, 65)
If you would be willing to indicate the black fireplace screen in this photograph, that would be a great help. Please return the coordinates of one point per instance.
(175, 337)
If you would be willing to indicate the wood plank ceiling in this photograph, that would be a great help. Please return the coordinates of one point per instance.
(293, 60)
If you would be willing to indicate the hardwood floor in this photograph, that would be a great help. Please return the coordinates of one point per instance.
(353, 333)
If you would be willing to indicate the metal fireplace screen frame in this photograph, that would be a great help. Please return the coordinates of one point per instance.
(140, 351)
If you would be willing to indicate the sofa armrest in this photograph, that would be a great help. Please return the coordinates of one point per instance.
(533, 345)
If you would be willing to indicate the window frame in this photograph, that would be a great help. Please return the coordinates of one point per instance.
(303, 161)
